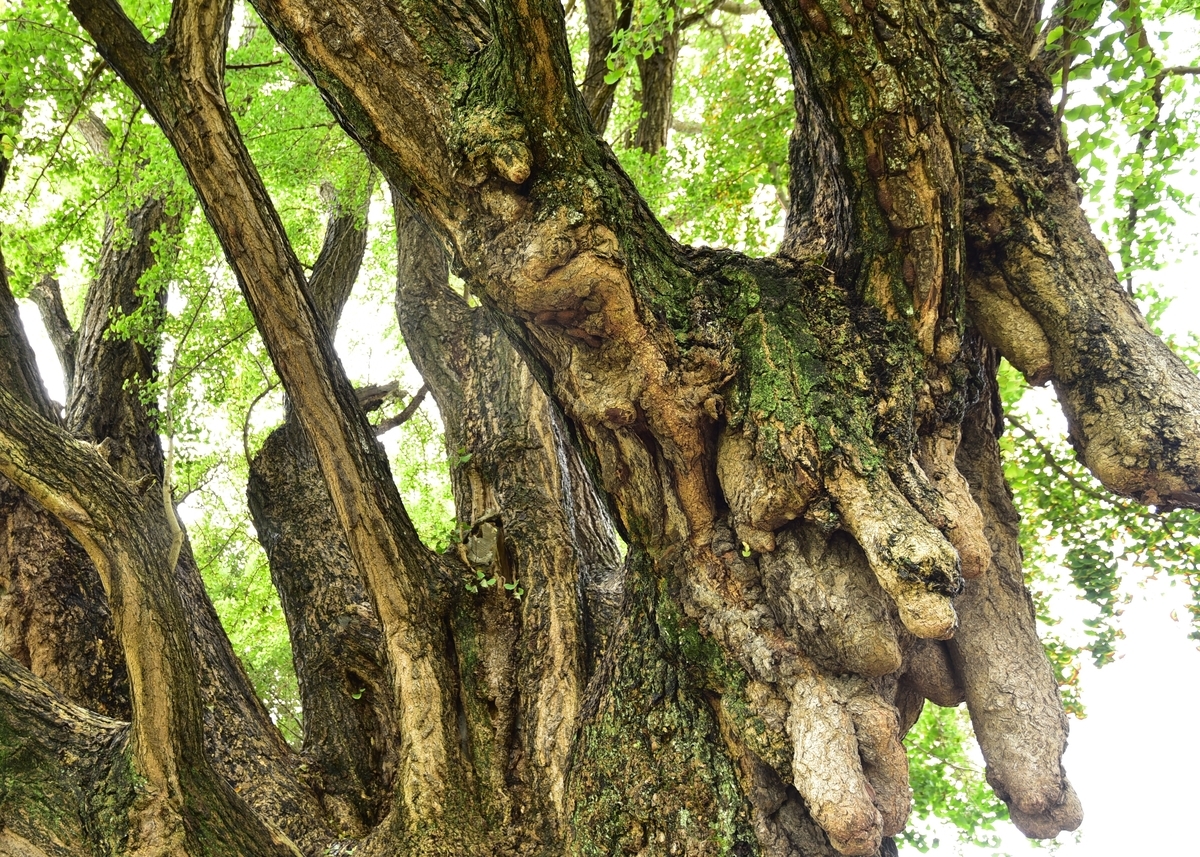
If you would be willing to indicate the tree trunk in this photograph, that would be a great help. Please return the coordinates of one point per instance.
(798, 450)
(349, 725)
(542, 570)
(605, 18)
(657, 73)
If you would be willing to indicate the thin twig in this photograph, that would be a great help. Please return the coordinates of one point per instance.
(406, 414)
(248, 65)
(93, 74)
(1052, 460)
(246, 421)
(204, 358)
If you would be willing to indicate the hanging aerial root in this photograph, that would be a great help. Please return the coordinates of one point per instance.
(963, 520)
(822, 589)
(929, 671)
(1013, 699)
(1010, 687)
(827, 769)
(912, 561)
(1065, 815)
(885, 763)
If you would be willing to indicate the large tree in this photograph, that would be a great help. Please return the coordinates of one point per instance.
(798, 451)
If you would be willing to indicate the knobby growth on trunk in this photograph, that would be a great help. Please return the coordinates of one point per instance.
(799, 453)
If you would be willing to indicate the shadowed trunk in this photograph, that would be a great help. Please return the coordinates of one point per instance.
(543, 579)
(657, 73)
(349, 726)
(604, 19)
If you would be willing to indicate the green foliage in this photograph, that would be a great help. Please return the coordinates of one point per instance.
(1072, 524)
(1130, 100)
(722, 178)
(423, 475)
(652, 21)
(238, 580)
(948, 784)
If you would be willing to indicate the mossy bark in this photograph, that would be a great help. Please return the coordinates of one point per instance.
(797, 449)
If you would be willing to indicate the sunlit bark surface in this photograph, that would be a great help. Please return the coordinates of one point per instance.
(799, 452)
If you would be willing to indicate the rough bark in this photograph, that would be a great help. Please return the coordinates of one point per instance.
(183, 807)
(531, 520)
(112, 371)
(1009, 686)
(782, 441)
(349, 742)
(1042, 288)
(65, 780)
(179, 81)
(54, 618)
(657, 73)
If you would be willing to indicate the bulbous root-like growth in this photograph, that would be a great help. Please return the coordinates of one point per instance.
(800, 451)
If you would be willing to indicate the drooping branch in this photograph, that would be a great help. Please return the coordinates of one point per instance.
(1041, 287)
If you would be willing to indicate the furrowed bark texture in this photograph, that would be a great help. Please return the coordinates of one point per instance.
(796, 449)
(183, 807)
(349, 723)
(1042, 288)
(66, 785)
(56, 612)
(536, 610)
(179, 81)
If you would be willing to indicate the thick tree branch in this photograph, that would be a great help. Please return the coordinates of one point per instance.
(127, 539)
(341, 256)
(1042, 290)
(404, 579)
(48, 297)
